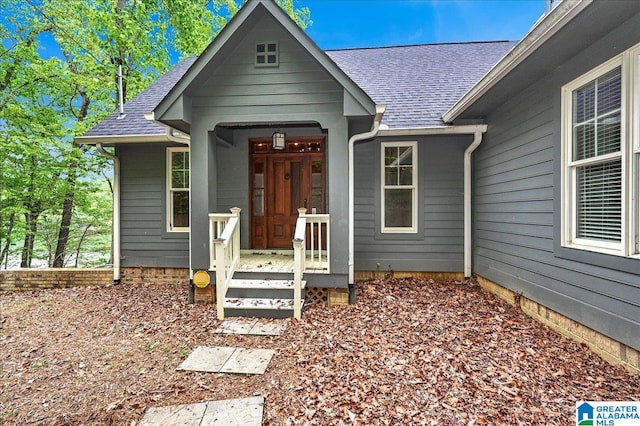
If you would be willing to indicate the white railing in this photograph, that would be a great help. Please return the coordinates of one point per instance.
(299, 247)
(217, 223)
(315, 258)
(224, 253)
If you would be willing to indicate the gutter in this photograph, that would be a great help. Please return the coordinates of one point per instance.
(380, 109)
(542, 31)
(126, 139)
(477, 140)
(116, 212)
(171, 133)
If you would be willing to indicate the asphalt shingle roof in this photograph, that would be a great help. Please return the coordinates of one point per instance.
(418, 83)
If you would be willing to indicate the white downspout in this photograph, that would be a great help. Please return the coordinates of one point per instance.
(477, 139)
(380, 109)
(116, 211)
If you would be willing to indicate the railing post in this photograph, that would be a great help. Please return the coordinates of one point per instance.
(297, 278)
(299, 259)
(235, 248)
(220, 278)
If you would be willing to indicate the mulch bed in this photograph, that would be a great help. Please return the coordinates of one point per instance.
(409, 352)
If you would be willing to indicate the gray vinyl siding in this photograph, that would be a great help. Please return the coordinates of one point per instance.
(240, 91)
(438, 244)
(144, 237)
(232, 93)
(517, 210)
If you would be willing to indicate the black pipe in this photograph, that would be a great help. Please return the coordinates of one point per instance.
(192, 292)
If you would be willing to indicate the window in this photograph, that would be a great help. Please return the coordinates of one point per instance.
(178, 189)
(399, 187)
(601, 136)
(267, 54)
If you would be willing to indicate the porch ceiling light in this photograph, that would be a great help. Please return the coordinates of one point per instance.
(278, 140)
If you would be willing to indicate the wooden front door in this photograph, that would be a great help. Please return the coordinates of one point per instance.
(282, 181)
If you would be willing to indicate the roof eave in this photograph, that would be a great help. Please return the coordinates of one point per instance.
(542, 31)
(465, 129)
(129, 139)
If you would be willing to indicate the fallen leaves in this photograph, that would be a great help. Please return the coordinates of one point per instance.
(409, 352)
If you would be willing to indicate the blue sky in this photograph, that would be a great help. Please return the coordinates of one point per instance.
(341, 24)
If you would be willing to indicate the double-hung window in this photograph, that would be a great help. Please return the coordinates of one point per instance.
(399, 187)
(600, 155)
(178, 189)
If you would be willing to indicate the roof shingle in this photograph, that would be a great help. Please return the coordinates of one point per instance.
(418, 83)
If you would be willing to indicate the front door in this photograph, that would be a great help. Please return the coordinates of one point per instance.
(282, 181)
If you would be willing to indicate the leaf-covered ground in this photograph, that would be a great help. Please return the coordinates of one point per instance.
(409, 352)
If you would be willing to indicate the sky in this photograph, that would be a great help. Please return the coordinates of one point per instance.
(343, 24)
(339, 24)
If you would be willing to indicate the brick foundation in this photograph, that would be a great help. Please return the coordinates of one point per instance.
(142, 275)
(38, 279)
(380, 275)
(608, 348)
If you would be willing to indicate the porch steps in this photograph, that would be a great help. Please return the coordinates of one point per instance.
(264, 284)
(260, 298)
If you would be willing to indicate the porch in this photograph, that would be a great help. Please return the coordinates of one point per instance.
(266, 282)
(276, 262)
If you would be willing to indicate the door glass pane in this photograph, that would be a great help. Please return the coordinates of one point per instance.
(316, 201)
(258, 180)
(398, 208)
(258, 202)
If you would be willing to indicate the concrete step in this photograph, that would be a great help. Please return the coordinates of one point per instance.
(258, 308)
(262, 288)
(250, 303)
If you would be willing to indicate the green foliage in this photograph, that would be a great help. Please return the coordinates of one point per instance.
(48, 184)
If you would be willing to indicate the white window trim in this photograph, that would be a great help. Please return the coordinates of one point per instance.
(170, 190)
(629, 246)
(414, 198)
(634, 188)
(266, 54)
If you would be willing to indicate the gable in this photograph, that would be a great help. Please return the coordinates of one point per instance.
(226, 81)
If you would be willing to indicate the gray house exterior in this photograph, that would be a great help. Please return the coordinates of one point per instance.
(453, 159)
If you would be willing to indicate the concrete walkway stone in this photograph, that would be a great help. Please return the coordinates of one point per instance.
(228, 360)
(229, 412)
(252, 326)
(248, 361)
(206, 359)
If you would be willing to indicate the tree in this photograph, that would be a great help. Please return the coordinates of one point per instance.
(76, 87)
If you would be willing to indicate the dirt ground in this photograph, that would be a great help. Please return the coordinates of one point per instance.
(409, 352)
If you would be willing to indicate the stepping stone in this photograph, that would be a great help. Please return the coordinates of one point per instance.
(207, 360)
(176, 415)
(271, 328)
(236, 326)
(251, 326)
(248, 361)
(228, 360)
(230, 412)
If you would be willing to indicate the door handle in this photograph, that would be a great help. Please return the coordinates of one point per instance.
(304, 203)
